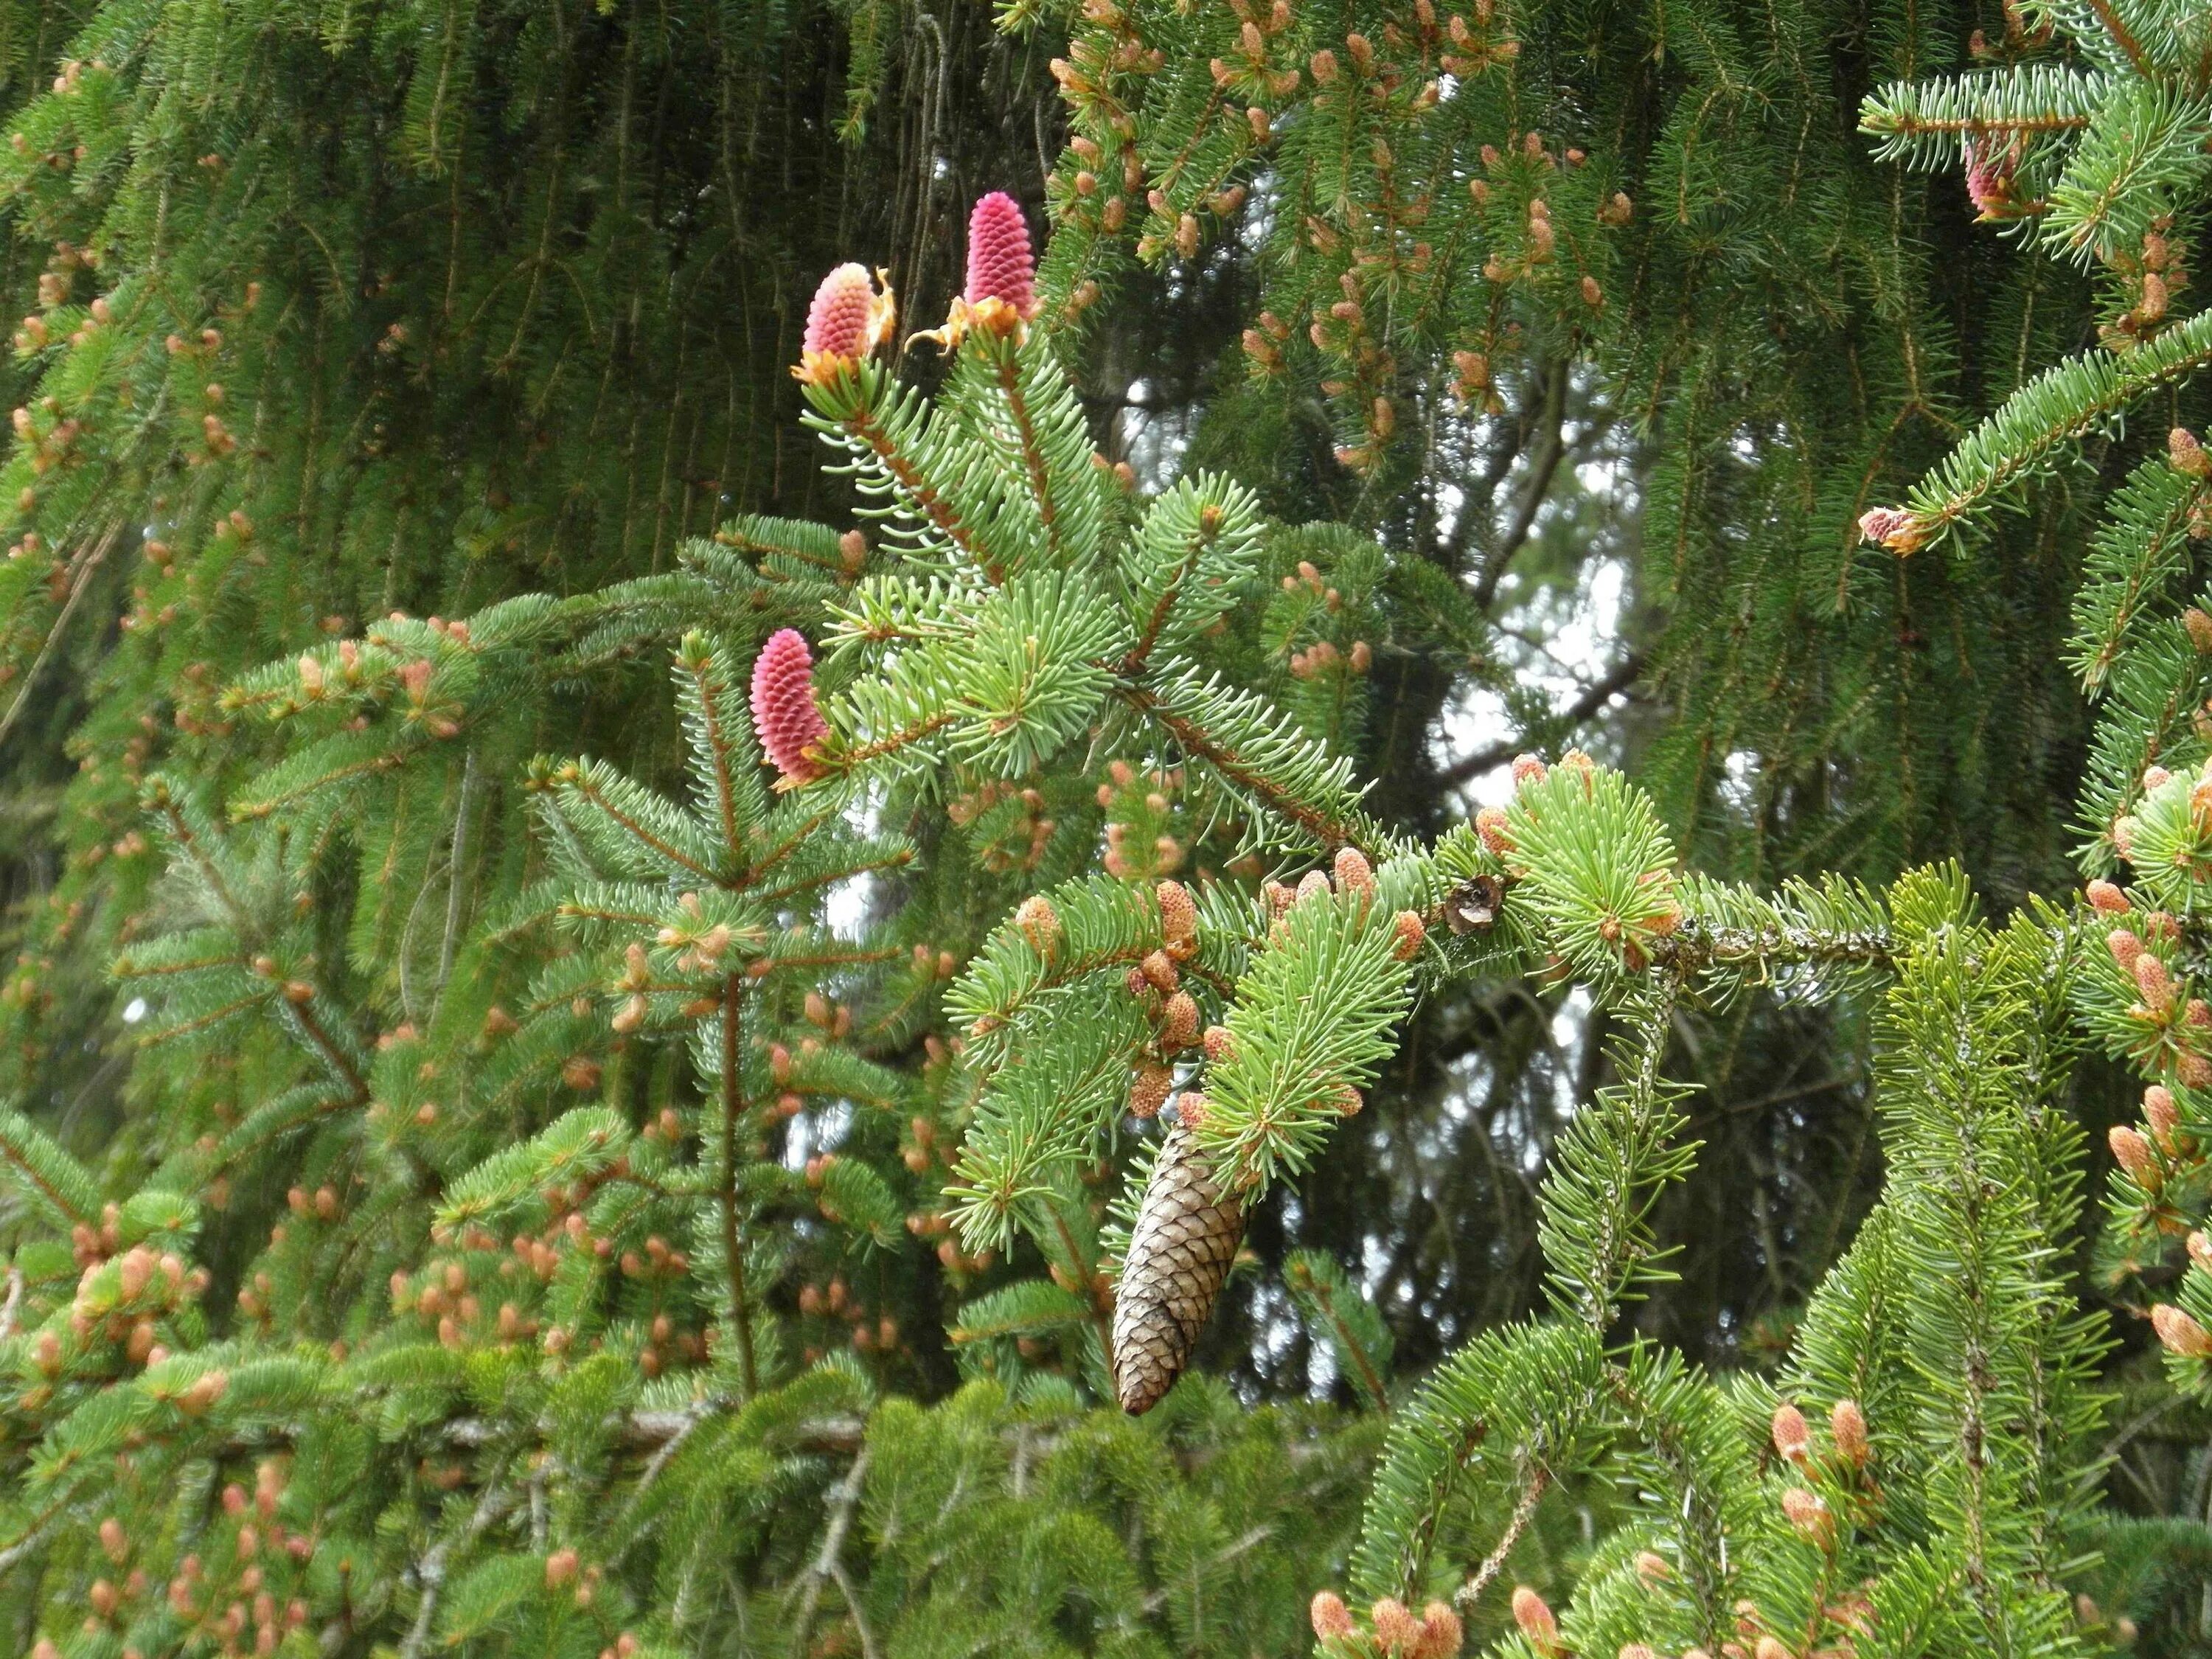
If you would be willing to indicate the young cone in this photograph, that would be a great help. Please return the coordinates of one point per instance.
(783, 714)
(1186, 1234)
(1000, 265)
(847, 318)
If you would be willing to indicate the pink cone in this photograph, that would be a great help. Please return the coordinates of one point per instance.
(1989, 179)
(1000, 262)
(837, 321)
(784, 715)
(1897, 528)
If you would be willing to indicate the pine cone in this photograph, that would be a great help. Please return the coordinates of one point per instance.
(1179, 1253)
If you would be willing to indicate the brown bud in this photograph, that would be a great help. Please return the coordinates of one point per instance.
(2180, 1334)
(1533, 1615)
(2152, 983)
(1178, 912)
(1178, 1022)
(2107, 899)
(1792, 1436)
(2133, 1153)
(1809, 1515)
(1395, 1628)
(1442, 1633)
(1353, 873)
(1847, 1424)
(2200, 1252)
(1489, 825)
(2163, 1114)
(1149, 1091)
(1039, 923)
(1406, 924)
(1331, 1618)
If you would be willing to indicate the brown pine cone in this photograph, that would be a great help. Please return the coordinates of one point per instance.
(1179, 1253)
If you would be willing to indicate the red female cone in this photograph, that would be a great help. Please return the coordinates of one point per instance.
(1001, 293)
(846, 320)
(784, 715)
(1001, 263)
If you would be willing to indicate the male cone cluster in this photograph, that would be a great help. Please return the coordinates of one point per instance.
(1186, 1235)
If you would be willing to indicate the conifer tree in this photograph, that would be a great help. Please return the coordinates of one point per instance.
(513, 1240)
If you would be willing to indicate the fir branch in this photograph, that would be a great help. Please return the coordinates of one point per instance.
(733, 1258)
(1524, 1510)
(2063, 403)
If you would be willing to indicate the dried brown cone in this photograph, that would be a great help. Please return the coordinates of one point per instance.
(1180, 1250)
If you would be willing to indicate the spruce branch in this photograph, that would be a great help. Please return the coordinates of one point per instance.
(2019, 441)
(733, 1256)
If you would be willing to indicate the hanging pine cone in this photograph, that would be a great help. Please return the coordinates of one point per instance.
(1179, 1253)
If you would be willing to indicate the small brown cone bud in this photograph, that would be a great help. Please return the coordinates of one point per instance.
(1490, 824)
(1847, 1424)
(1770, 1648)
(2200, 629)
(200, 1398)
(1353, 873)
(1442, 1634)
(1040, 924)
(1652, 1567)
(560, 1568)
(1313, 884)
(1406, 924)
(1179, 1023)
(2200, 1252)
(2152, 983)
(1178, 914)
(2125, 946)
(2187, 455)
(1809, 1515)
(2163, 1114)
(1219, 1043)
(2179, 1333)
(1159, 972)
(1331, 1618)
(1186, 1234)
(1527, 770)
(1150, 1090)
(1533, 1617)
(2107, 899)
(1792, 1438)
(2132, 1152)
(1395, 1628)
